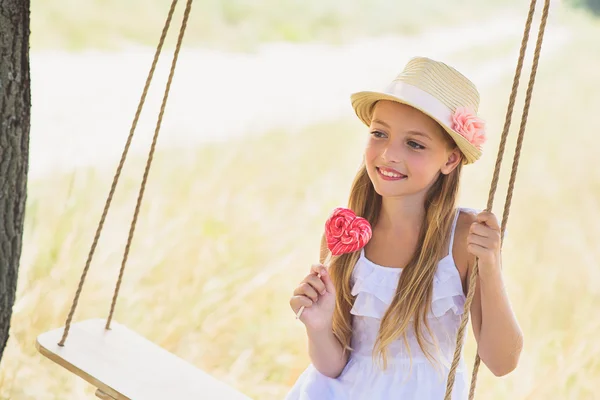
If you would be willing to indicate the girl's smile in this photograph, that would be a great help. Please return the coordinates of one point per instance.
(389, 174)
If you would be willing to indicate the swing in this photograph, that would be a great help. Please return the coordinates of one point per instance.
(123, 365)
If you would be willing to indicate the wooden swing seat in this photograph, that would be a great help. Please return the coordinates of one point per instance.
(124, 365)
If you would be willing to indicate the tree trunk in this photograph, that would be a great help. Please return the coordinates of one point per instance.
(15, 109)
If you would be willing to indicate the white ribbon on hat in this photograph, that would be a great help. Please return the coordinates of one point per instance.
(422, 100)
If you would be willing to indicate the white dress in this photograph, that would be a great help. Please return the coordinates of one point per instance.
(374, 287)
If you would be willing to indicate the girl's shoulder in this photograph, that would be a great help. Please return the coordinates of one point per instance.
(465, 218)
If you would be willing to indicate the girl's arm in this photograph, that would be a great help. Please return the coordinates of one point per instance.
(326, 352)
(495, 326)
(317, 294)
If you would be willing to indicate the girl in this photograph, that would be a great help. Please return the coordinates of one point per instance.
(382, 322)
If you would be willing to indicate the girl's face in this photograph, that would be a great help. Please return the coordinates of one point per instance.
(406, 150)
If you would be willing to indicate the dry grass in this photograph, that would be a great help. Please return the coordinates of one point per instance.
(227, 231)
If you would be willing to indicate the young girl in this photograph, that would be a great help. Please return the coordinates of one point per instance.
(382, 322)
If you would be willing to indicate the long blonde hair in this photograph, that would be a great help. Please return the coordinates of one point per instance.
(414, 291)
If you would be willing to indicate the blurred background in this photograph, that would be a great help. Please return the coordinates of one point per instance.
(258, 144)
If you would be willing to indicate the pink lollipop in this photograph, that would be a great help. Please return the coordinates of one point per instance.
(345, 233)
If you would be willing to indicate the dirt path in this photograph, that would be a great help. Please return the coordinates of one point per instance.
(83, 103)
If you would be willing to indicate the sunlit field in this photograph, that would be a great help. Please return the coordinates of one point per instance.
(227, 230)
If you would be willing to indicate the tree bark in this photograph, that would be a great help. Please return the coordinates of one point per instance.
(15, 111)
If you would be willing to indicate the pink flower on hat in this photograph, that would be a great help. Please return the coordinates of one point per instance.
(469, 126)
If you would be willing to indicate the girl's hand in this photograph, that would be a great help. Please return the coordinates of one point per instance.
(484, 242)
(317, 295)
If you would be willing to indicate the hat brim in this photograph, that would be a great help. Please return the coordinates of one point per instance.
(364, 102)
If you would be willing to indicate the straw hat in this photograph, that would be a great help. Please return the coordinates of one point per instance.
(439, 91)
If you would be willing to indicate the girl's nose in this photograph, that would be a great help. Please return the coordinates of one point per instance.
(392, 153)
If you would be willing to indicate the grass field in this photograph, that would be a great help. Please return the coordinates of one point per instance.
(227, 230)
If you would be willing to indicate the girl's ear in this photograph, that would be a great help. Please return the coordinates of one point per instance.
(454, 158)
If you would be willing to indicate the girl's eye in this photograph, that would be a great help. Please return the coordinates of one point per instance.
(378, 134)
(415, 145)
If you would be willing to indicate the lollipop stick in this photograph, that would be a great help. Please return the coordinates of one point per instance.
(326, 262)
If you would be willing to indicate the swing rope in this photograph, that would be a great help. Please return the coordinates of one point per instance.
(122, 162)
(494, 184)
